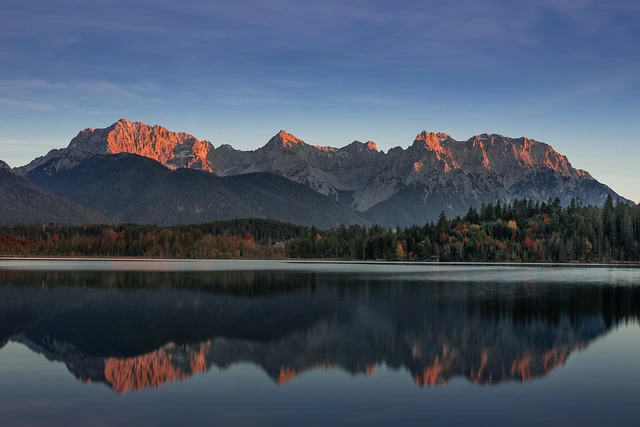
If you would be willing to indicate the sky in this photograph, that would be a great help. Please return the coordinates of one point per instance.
(566, 72)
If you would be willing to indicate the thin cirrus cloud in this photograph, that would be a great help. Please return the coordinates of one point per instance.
(28, 105)
(245, 96)
(44, 107)
(378, 100)
(45, 96)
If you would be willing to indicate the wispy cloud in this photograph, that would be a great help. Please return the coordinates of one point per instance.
(79, 96)
(94, 86)
(295, 84)
(376, 100)
(248, 95)
(28, 105)
(616, 82)
(25, 143)
(142, 90)
(30, 84)
(81, 110)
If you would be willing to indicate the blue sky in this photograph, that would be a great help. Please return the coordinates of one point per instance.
(566, 72)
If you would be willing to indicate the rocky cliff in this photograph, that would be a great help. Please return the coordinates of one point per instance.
(173, 149)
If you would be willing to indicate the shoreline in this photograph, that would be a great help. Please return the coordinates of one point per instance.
(319, 261)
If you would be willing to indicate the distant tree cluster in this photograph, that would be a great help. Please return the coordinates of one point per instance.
(523, 231)
(241, 238)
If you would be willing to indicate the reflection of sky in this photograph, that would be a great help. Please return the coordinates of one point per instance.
(565, 72)
(595, 386)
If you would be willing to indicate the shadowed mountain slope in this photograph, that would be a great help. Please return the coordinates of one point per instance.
(134, 189)
(21, 202)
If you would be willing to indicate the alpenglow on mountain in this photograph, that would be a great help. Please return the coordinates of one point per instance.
(402, 186)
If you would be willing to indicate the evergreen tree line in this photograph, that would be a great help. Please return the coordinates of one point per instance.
(523, 231)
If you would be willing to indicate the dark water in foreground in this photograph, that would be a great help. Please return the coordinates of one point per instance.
(267, 343)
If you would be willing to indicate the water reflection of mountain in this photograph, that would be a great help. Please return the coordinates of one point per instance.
(132, 337)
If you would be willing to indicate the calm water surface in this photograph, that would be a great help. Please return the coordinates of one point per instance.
(146, 343)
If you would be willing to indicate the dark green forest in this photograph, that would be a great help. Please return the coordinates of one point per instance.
(523, 231)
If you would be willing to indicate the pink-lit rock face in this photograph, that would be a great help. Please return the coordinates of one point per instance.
(432, 141)
(371, 146)
(172, 149)
(359, 147)
(325, 148)
(285, 139)
(499, 153)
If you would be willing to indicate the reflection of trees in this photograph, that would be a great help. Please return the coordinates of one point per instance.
(245, 283)
(133, 330)
(612, 303)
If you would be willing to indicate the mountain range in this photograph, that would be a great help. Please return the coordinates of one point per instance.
(290, 180)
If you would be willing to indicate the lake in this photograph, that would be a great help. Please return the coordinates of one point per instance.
(270, 343)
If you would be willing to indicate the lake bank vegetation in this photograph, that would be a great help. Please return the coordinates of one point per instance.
(523, 231)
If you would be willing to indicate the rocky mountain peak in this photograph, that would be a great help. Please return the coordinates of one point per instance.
(361, 146)
(226, 147)
(424, 135)
(172, 149)
(512, 153)
(431, 141)
(285, 139)
(124, 122)
(4, 166)
(488, 138)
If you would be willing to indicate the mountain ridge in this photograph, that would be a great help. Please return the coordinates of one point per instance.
(125, 136)
(435, 173)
